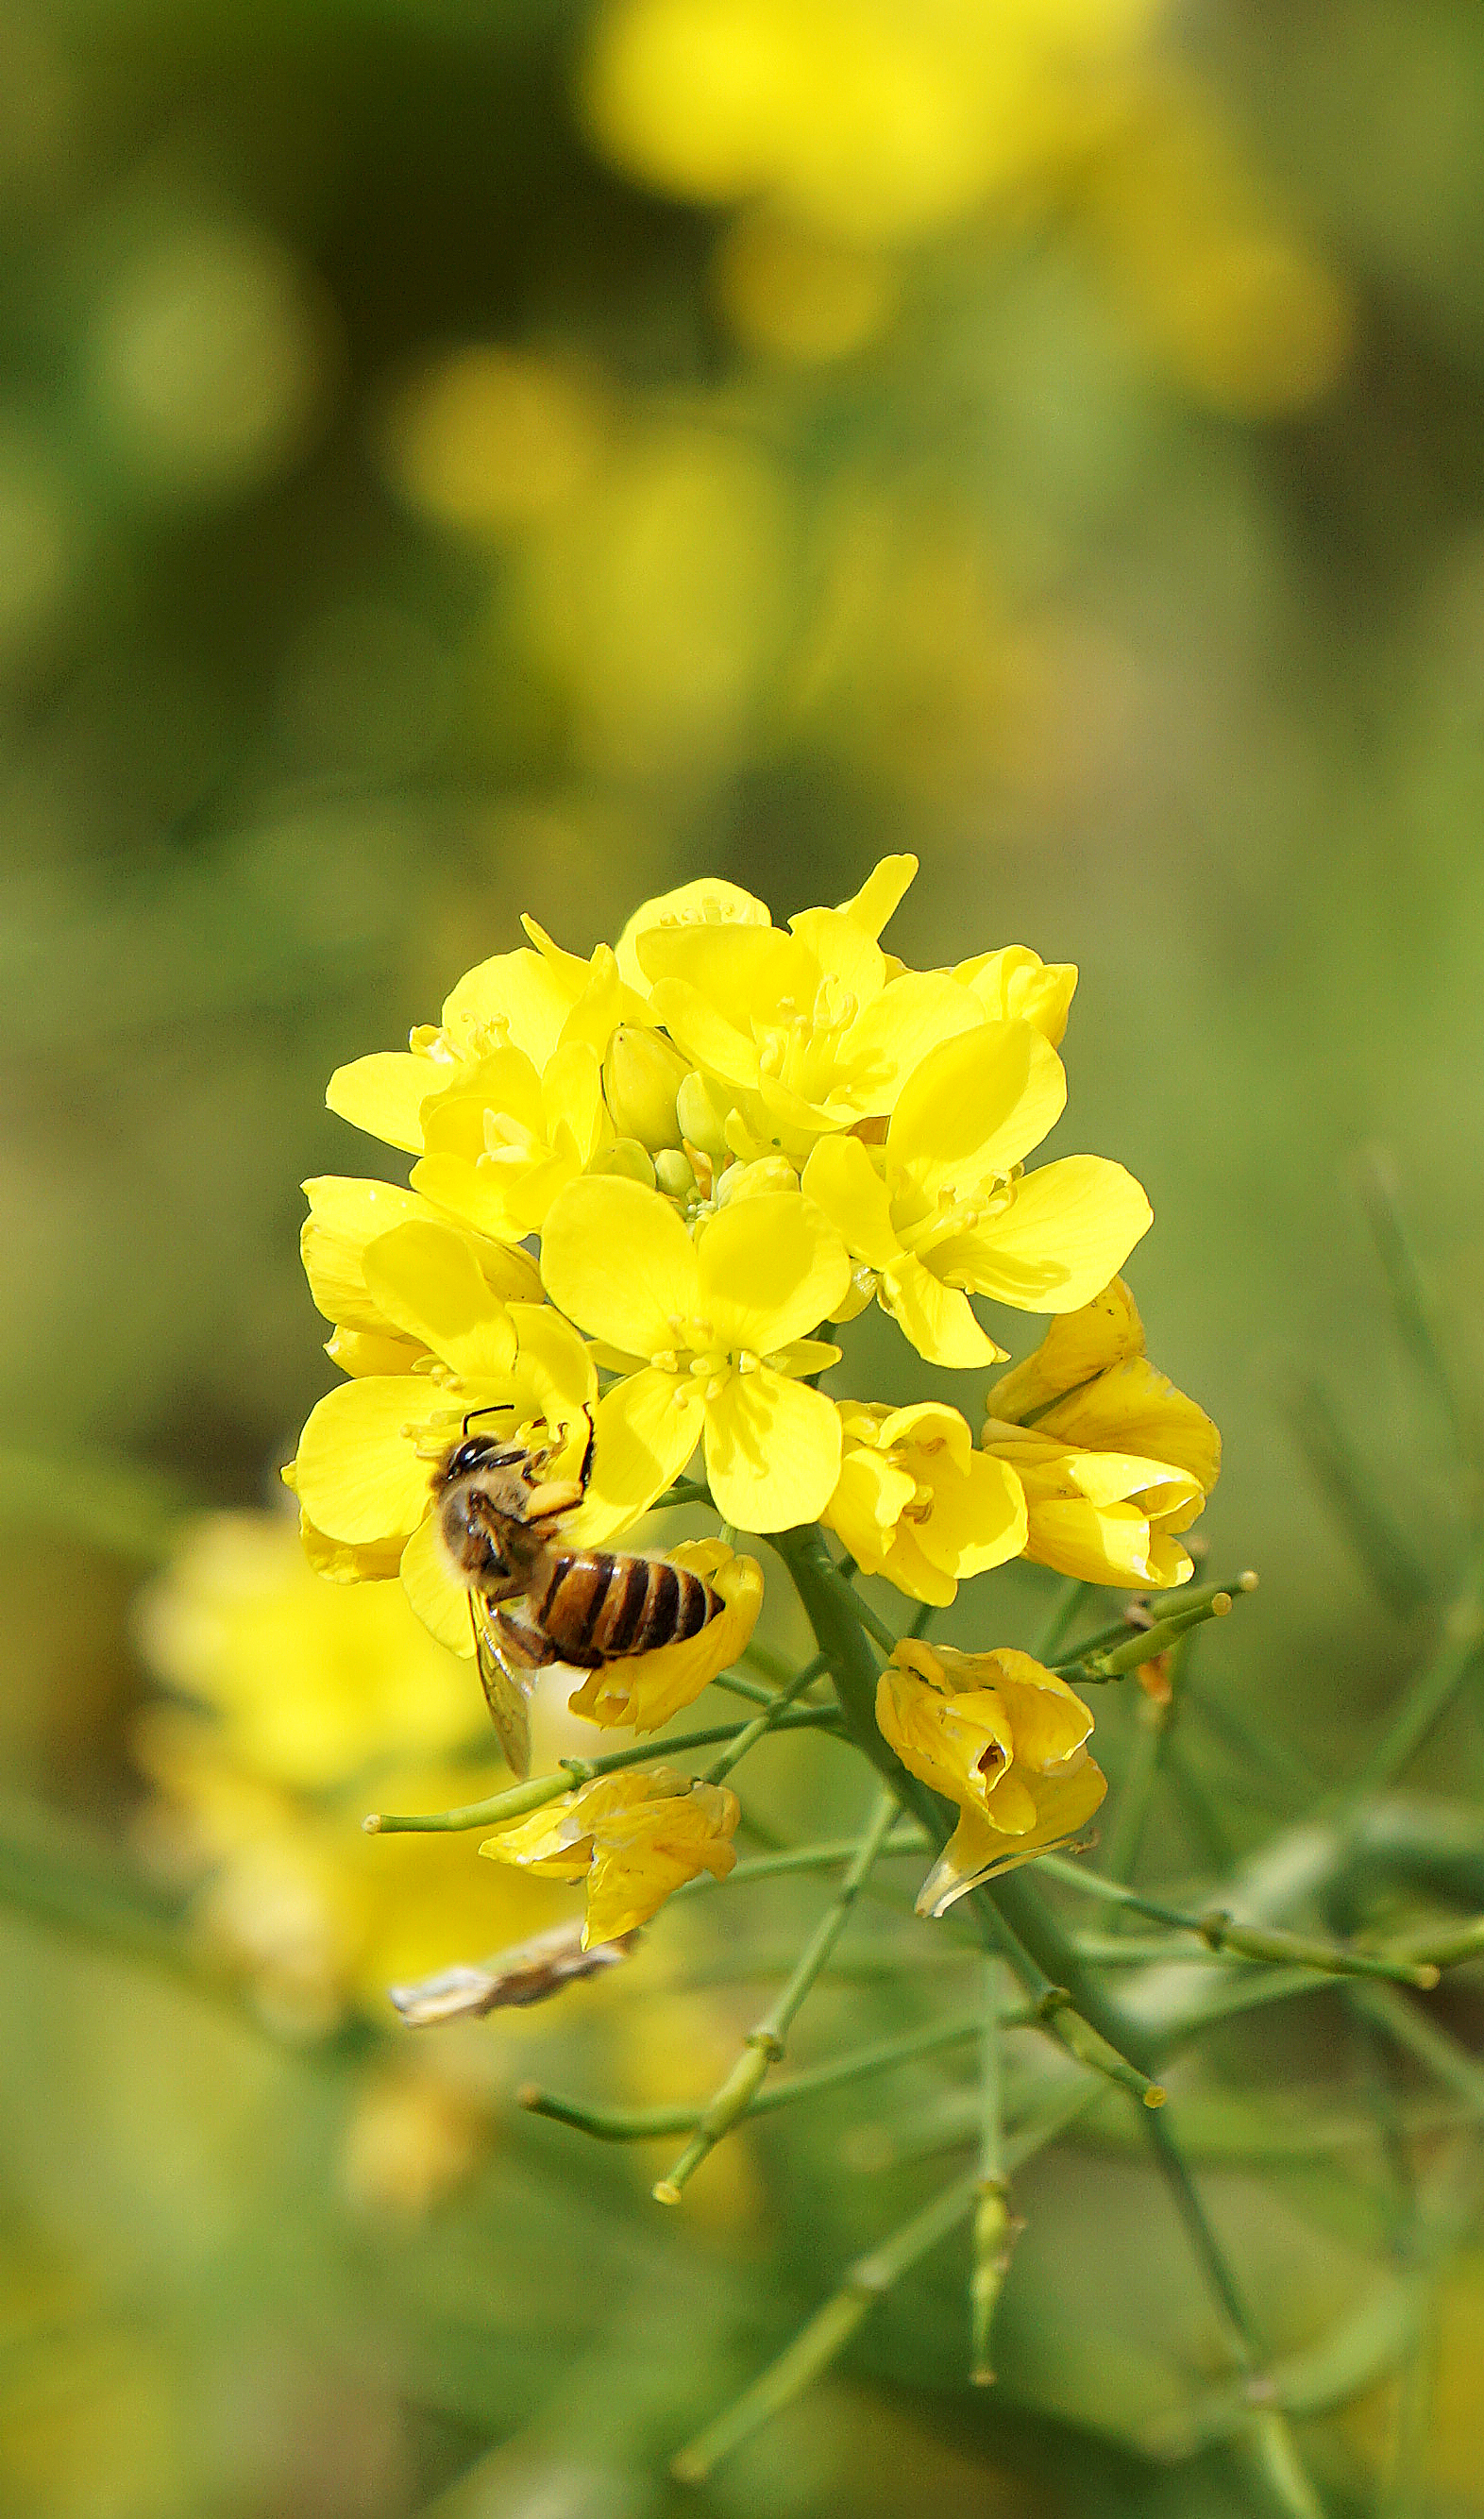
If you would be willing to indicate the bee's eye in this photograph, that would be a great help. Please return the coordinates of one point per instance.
(468, 1456)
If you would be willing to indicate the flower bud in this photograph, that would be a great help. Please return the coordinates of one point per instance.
(642, 1077)
(674, 1175)
(702, 1122)
(626, 1159)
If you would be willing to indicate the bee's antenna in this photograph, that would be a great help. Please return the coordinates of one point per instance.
(495, 1408)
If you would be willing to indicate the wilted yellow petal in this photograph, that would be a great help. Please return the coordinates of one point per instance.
(1134, 1406)
(978, 1850)
(1078, 1346)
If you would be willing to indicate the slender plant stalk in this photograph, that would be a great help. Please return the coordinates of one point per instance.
(1222, 1933)
(517, 1799)
(766, 2044)
(993, 2231)
(1434, 1689)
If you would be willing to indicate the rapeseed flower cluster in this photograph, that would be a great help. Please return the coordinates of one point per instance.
(649, 1189)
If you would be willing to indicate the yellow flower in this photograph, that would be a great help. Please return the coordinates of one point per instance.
(1003, 1739)
(345, 1217)
(634, 1838)
(531, 1002)
(711, 1335)
(309, 1686)
(1115, 1461)
(941, 1208)
(1015, 985)
(914, 1501)
(645, 1689)
(366, 1454)
(504, 1137)
(809, 1030)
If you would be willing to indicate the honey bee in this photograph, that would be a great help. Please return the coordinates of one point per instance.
(531, 1600)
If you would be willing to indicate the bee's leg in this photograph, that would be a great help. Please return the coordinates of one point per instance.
(585, 1473)
(524, 1644)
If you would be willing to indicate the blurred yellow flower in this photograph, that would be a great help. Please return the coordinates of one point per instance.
(488, 440)
(318, 1916)
(1115, 1460)
(634, 1838)
(866, 118)
(643, 1691)
(941, 1209)
(1002, 1738)
(917, 1503)
(712, 1334)
(799, 296)
(308, 1686)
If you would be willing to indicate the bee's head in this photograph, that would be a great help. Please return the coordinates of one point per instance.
(478, 1452)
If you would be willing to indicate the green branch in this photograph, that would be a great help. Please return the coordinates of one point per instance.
(533, 1796)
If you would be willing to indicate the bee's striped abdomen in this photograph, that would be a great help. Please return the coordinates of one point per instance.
(597, 1607)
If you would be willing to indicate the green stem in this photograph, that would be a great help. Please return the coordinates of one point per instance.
(822, 1857)
(642, 2125)
(1270, 1944)
(993, 2227)
(1433, 1690)
(863, 2284)
(1414, 1302)
(768, 1721)
(1346, 1481)
(766, 2044)
(1062, 1620)
(533, 1796)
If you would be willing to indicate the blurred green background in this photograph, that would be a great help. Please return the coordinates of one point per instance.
(460, 456)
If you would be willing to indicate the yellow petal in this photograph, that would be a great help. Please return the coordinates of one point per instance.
(881, 894)
(847, 1187)
(1015, 985)
(869, 1496)
(641, 1855)
(339, 1563)
(913, 1014)
(709, 902)
(844, 951)
(344, 1216)
(742, 971)
(1135, 1408)
(976, 1106)
(367, 1351)
(425, 1280)
(1076, 1347)
(1050, 1721)
(772, 1452)
(384, 1094)
(521, 998)
(938, 1319)
(646, 1429)
(1105, 1543)
(1067, 1230)
(978, 1518)
(440, 1601)
(357, 1475)
(505, 1082)
(617, 1259)
(978, 1850)
(771, 1269)
(554, 1376)
(706, 1035)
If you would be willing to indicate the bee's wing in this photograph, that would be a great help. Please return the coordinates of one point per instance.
(504, 1689)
